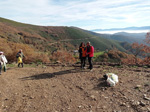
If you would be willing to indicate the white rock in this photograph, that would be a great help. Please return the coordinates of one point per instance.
(79, 106)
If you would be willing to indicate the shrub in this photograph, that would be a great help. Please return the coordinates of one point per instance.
(10, 49)
(117, 57)
(63, 57)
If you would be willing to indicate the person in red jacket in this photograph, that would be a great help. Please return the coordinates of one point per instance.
(90, 54)
(82, 54)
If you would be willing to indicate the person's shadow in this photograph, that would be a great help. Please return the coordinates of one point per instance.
(51, 75)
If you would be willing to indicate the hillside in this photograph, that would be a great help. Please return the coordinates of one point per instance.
(124, 38)
(128, 37)
(49, 38)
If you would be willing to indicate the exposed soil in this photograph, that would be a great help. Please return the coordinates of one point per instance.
(69, 89)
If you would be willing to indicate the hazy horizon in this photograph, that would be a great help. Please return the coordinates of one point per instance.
(117, 31)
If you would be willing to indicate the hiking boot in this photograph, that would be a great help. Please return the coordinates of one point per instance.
(91, 70)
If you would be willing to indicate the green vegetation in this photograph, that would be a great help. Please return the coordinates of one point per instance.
(30, 65)
(75, 33)
(11, 65)
(25, 65)
(98, 53)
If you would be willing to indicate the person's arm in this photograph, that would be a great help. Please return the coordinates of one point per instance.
(91, 50)
(86, 51)
(80, 50)
(17, 55)
(23, 55)
(2, 60)
(5, 59)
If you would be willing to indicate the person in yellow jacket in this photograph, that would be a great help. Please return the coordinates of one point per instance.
(82, 54)
(19, 60)
(20, 57)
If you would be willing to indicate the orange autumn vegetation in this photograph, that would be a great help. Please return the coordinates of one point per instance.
(10, 49)
(116, 56)
(63, 57)
(141, 50)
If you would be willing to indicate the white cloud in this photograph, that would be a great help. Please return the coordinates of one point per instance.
(89, 14)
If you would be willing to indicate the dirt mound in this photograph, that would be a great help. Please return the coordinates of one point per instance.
(69, 89)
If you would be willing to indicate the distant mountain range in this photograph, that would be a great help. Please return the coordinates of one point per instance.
(126, 37)
(123, 36)
(119, 29)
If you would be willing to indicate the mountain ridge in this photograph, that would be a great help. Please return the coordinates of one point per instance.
(127, 28)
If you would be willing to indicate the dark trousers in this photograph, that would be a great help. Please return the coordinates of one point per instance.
(83, 60)
(90, 62)
(21, 64)
(4, 68)
(0, 68)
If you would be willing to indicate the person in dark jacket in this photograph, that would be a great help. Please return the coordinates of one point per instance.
(82, 54)
(90, 54)
(20, 57)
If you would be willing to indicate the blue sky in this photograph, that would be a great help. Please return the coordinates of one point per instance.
(87, 14)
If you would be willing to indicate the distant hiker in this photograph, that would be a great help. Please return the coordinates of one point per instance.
(4, 61)
(20, 57)
(1, 62)
(82, 54)
(90, 54)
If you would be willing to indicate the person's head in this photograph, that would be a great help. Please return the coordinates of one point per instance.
(82, 44)
(1, 53)
(88, 44)
(20, 50)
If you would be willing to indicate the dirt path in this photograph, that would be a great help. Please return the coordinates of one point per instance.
(69, 89)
